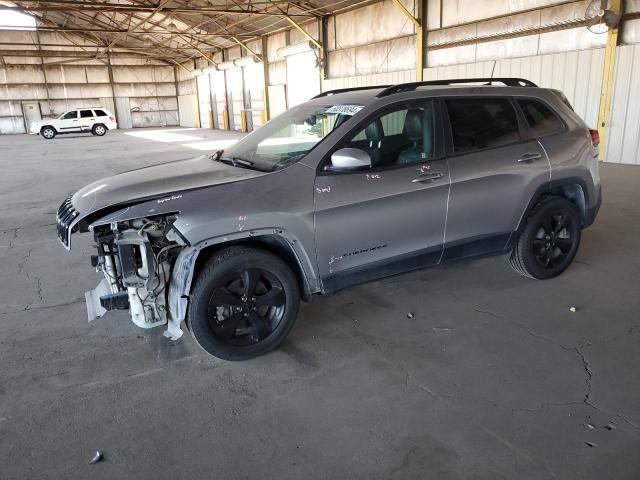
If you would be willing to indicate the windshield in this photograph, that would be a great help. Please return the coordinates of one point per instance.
(289, 137)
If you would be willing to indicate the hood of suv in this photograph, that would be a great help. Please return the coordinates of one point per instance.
(155, 182)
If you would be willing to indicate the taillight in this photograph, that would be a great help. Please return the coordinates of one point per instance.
(595, 137)
(113, 119)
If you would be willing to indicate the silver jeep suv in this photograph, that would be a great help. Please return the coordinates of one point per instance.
(351, 186)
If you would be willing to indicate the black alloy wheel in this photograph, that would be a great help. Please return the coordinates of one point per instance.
(553, 241)
(246, 307)
(549, 242)
(243, 303)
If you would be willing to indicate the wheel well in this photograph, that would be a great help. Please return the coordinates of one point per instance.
(48, 126)
(270, 243)
(574, 193)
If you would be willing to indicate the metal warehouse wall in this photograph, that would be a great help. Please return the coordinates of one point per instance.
(577, 74)
(458, 45)
(623, 141)
(141, 92)
(543, 40)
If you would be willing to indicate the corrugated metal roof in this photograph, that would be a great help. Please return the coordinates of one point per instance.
(173, 29)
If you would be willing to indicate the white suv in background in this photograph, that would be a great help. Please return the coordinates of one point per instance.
(94, 120)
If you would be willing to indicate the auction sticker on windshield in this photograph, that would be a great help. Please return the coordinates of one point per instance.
(345, 109)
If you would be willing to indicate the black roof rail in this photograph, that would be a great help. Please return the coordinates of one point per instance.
(407, 87)
(350, 89)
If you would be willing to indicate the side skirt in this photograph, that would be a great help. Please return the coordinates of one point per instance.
(476, 247)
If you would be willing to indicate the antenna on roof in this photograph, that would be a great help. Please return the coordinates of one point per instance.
(493, 70)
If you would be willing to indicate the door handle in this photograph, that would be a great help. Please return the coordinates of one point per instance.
(427, 177)
(529, 157)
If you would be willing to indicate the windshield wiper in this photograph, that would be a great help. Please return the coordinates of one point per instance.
(216, 155)
(235, 161)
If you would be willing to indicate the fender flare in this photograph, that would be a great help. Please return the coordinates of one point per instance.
(545, 188)
(184, 268)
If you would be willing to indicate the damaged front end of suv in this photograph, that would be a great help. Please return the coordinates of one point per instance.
(135, 257)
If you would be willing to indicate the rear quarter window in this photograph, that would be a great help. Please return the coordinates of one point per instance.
(541, 119)
(100, 113)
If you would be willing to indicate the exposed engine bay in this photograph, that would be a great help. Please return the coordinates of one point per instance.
(136, 259)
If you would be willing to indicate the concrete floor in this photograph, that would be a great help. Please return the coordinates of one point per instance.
(494, 377)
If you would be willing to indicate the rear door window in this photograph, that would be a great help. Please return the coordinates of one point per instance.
(542, 121)
(86, 114)
(479, 123)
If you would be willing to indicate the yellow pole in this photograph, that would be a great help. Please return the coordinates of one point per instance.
(607, 82)
(419, 53)
(304, 32)
(419, 35)
(225, 119)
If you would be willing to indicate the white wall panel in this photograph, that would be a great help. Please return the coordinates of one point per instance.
(12, 125)
(204, 98)
(387, 78)
(188, 108)
(578, 74)
(623, 139)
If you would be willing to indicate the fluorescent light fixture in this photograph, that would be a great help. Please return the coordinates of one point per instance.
(245, 61)
(295, 49)
(226, 65)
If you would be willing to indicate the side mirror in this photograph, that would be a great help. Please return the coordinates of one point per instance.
(350, 159)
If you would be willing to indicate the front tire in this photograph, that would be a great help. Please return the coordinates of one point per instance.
(99, 130)
(243, 304)
(48, 132)
(549, 242)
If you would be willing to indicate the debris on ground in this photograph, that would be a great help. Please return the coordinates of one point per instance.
(411, 315)
(590, 427)
(591, 444)
(442, 329)
(96, 458)
(572, 309)
(610, 426)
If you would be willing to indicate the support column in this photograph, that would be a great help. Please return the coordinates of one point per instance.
(113, 90)
(324, 55)
(419, 33)
(265, 90)
(607, 81)
(44, 76)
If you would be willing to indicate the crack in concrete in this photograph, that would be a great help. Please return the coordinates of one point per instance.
(15, 235)
(39, 283)
(586, 365)
(30, 307)
(409, 380)
(23, 262)
(587, 396)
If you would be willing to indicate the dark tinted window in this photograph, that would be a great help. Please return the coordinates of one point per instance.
(100, 113)
(540, 118)
(70, 115)
(86, 114)
(478, 123)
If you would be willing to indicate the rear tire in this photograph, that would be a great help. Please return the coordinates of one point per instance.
(48, 132)
(243, 304)
(99, 129)
(549, 242)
